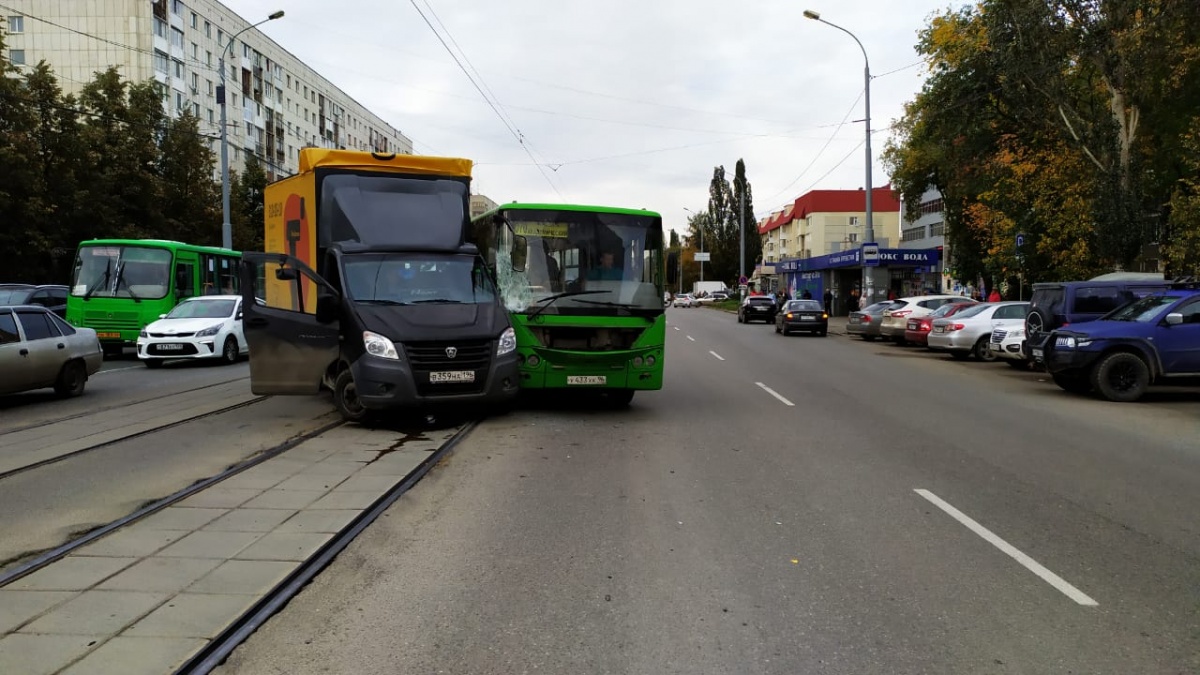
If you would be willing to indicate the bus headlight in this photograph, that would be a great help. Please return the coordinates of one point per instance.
(637, 362)
(507, 343)
(378, 345)
(650, 360)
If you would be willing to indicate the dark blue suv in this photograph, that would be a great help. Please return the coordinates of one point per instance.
(1060, 304)
(1154, 340)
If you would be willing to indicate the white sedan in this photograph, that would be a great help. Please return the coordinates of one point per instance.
(206, 327)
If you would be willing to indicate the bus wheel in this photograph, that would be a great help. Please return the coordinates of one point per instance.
(345, 397)
(618, 398)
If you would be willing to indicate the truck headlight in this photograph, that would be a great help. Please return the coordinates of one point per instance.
(507, 343)
(378, 345)
(209, 332)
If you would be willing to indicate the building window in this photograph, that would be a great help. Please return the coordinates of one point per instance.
(195, 19)
(207, 30)
(16, 24)
(937, 229)
(914, 234)
(195, 51)
(16, 57)
(208, 58)
(177, 38)
(932, 206)
(162, 63)
(211, 119)
(196, 110)
(210, 87)
(179, 100)
(160, 27)
(220, 38)
(177, 7)
(178, 67)
(853, 221)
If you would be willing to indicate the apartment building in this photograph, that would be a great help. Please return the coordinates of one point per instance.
(821, 222)
(481, 205)
(928, 232)
(276, 105)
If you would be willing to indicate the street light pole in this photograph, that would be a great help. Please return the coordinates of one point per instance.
(870, 225)
(226, 226)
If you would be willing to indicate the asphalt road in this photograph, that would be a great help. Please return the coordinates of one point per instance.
(784, 505)
(49, 505)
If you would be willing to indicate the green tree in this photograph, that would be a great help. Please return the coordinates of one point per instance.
(246, 206)
(191, 199)
(22, 202)
(743, 214)
(1183, 246)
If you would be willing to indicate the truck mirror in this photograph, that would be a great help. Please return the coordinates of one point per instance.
(1174, 319)
(672, 268)
(286, 274)
(327, 307)
(520, 251)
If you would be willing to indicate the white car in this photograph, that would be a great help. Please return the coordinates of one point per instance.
(684, 300)
(206, 327)
(1009, 344)
(969, 332)
(896, 316)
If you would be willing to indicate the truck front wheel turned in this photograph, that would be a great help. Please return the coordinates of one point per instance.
(345, 397)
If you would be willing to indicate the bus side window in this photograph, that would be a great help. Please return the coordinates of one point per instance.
(185, 280)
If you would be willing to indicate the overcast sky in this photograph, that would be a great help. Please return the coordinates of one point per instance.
(623, 102)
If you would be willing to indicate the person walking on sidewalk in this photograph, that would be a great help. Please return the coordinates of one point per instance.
(995, 296)
(828, 302)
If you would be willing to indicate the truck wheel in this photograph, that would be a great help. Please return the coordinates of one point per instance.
(71, 379)
(1121, 377)
(1072, 383)
(345, 397)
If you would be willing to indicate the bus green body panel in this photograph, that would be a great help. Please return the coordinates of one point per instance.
(118, 303)
(640, 367)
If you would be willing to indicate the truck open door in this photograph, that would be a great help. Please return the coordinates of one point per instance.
(290, 319)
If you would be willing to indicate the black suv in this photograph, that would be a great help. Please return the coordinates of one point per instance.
(53, 298)
(1060, 304)
(755, 307)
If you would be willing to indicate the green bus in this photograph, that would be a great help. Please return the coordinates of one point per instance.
(119, 286)
(584, 288)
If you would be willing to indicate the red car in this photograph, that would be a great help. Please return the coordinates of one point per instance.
(916, 331)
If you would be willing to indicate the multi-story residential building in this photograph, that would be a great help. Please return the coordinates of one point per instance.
(821, 222)
(276, 105)
(928, 232)
(481, 205)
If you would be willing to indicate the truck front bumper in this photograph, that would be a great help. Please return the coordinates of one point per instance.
(392, 383)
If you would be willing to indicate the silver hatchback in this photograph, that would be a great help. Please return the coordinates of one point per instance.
(39, 350)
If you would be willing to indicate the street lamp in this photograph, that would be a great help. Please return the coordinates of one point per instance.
(700, 229)
(226, 227)
(870, 228)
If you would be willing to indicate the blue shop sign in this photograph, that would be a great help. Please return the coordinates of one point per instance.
(888, 257)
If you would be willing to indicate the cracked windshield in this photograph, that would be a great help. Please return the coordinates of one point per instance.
(786, 337)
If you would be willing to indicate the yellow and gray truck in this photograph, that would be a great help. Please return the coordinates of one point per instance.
(369, 287)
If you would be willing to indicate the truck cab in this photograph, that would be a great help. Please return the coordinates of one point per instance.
(369, 289)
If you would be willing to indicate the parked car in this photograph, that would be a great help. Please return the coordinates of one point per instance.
(865, 322)
(756, 307)
(52, 297)
(1061, 304)
(683, 300)
(896, 316)
(39, 350)
(802, 315)
(1008, 345)
(968, 332)
(1151, 341)
(916, 331)
(205, 327)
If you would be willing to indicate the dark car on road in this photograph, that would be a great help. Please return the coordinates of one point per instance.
(1154, 340)
(803, 316)
(52, 297)
(1061, 304)
(757, 308)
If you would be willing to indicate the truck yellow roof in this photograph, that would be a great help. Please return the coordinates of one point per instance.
(319, 158)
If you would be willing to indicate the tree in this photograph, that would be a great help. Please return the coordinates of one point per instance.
(1183, 247)
(742, 215)
(674, 240)
(22, 205)
(191, 198)
(246, 206)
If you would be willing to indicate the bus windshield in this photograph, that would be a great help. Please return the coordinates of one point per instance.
(114, 271)
(579, 262)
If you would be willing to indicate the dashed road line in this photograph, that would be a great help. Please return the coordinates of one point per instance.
(691, 338)
(719, 357)
(775, 394)
(1029, 563)
(675, 327)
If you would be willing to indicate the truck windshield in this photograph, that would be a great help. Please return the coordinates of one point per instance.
(107, 271)
(408, 279)
(594, 262)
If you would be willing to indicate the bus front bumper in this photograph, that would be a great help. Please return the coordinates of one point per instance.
(548, 369)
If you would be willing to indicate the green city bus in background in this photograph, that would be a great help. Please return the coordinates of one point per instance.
(118, 286)
(584, 288)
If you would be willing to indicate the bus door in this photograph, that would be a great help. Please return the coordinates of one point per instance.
(291, 345)
(185, 276)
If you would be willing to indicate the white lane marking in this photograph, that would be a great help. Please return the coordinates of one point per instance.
(675, 327)
(719, 357)
(775, 394)
(115, 370)
(691, 338)
(1029, 563)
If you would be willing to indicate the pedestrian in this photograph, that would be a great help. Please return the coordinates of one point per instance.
(995, 296)
(828, 298)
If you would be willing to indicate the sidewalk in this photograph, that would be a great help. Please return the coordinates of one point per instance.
(149, 596)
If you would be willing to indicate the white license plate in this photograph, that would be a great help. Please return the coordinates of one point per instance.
(587, 379)
(939, 329)
(809, 317)
(443, 376)
(170, 348)
(1037, 353)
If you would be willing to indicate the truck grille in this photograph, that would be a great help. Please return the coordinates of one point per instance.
(426, 357)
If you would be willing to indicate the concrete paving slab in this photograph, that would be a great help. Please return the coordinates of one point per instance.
(18, 607)
(73, 573)
(319, 520)
(244, 577)
(167, 575)
(323, 483)
(221, 497)
(285, 499)
(254, 479)
(249, 520)
(221, 545)
(397, 464)
(356, 455)
(95, 613)
(137, 656)
(179, 518)
(295, 546)
(328, 468)
(339, 499)
(134, 541)
(192, 615)
(368, 483)
(41, 654)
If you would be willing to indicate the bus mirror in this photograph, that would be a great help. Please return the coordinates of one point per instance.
(520, 251)
(327, 307)
(286, 274)
(672, 268)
